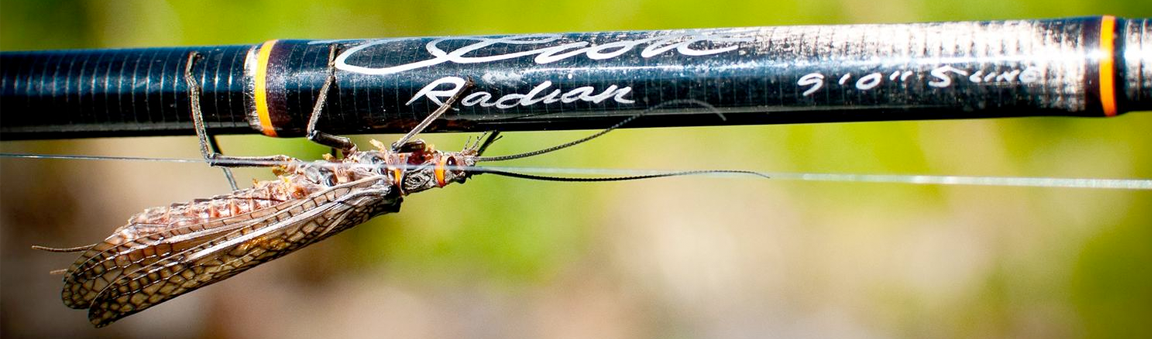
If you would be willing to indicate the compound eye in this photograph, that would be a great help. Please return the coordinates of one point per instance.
(456, 165)
(412, 146)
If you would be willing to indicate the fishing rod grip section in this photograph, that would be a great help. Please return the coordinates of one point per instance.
(1095, 66)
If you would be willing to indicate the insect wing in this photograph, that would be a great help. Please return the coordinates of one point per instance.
(291, 226)
(137, 245)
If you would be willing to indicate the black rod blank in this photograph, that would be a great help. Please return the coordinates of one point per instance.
(1097, 66)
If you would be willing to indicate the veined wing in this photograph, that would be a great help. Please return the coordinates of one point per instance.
(285, 228)
(160, 231)
(137, 245)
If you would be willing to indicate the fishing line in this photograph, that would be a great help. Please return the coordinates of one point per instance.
(1096, 183)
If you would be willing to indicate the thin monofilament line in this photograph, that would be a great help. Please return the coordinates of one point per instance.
(1098, 183)
(1136, 184)
(254, 163)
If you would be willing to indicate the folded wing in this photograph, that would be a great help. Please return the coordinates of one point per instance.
(119, 278)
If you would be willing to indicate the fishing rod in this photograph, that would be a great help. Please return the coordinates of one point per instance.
(1087, 67)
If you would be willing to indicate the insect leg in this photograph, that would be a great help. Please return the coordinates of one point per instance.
(487, 142)
(208, 145)
(344, 145)
(435, 115)
(214, 147)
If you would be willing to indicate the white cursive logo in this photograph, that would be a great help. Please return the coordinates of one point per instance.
(487, 49)
(536, 95)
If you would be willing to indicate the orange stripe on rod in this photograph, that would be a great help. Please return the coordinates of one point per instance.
(1107, 65)
(261, 89)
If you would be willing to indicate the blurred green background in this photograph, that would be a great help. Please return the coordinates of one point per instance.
(673, 258)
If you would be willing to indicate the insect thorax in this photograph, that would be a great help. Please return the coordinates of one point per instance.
(413, 168)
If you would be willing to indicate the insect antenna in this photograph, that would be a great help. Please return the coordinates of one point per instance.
(495, 136)
(608, 179)
(600, 133)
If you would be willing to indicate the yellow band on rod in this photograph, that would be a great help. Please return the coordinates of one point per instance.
(1107, 64)
(261, 89)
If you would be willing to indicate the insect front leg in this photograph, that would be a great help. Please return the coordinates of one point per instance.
(404, 140)
(345, 145)
(480, 147)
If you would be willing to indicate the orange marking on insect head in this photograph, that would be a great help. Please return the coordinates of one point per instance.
(397, 173)
(440, 171)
